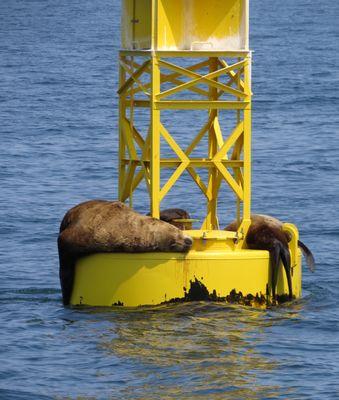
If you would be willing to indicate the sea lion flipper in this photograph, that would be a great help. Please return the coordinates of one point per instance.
(66, 274)
(275, 261)
(286, 260)
(308, 256)
(66, 271)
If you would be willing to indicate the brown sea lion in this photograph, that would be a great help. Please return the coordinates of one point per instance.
(100, 226)
(266, 233)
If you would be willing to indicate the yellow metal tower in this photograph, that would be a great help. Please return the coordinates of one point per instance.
(211, 41)
(184, 55)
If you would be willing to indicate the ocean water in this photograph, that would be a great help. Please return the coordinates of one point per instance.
(58, 135)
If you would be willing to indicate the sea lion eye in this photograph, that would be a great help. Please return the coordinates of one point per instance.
(172, 244)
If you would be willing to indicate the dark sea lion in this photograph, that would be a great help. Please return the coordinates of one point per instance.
(173, 217)
(100, 226)
(266, 233)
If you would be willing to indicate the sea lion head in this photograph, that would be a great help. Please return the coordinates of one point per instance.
(183, 243)
(170, 238)
(176, 217)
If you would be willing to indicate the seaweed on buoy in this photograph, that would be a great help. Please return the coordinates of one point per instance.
(199, 292)
(249, 300)
(118, 304)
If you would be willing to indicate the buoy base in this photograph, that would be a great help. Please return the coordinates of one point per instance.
(153, 278)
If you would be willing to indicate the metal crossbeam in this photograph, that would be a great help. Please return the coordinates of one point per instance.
(233, 75)
(198, 105)
(229, 142)
(199, 136)
(208, 78)
(173, 78)
(134, 77)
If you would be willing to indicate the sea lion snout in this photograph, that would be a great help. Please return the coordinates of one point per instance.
(188, 240)
(182, 244)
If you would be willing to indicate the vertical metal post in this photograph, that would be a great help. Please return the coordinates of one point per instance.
(155, 139)
(211, 221)
(122, 144)
(247, 141)
(238, 152)
(154, 13)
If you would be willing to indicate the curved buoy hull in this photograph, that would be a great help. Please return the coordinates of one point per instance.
(154, 278)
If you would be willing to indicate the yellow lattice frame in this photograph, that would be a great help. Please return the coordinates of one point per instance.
(136, 151)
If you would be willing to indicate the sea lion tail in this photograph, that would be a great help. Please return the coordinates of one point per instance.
(308, 256)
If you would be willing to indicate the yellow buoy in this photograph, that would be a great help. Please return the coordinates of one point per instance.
(154, 278)
(185, 55)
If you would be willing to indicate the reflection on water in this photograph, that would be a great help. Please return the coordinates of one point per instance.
(195, 349)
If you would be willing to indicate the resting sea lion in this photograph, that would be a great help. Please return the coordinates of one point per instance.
(171, 215)
(266, 233)
(100, 226)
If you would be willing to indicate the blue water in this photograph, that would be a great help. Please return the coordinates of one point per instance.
(58, 127)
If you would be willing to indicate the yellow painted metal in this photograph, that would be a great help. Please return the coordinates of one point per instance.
(185, 24)
(152, 278)
(148, 76)
(211, 220)
(136, 24)
(246, 181)
(122, 144)
(185, 53)
(155, 141)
